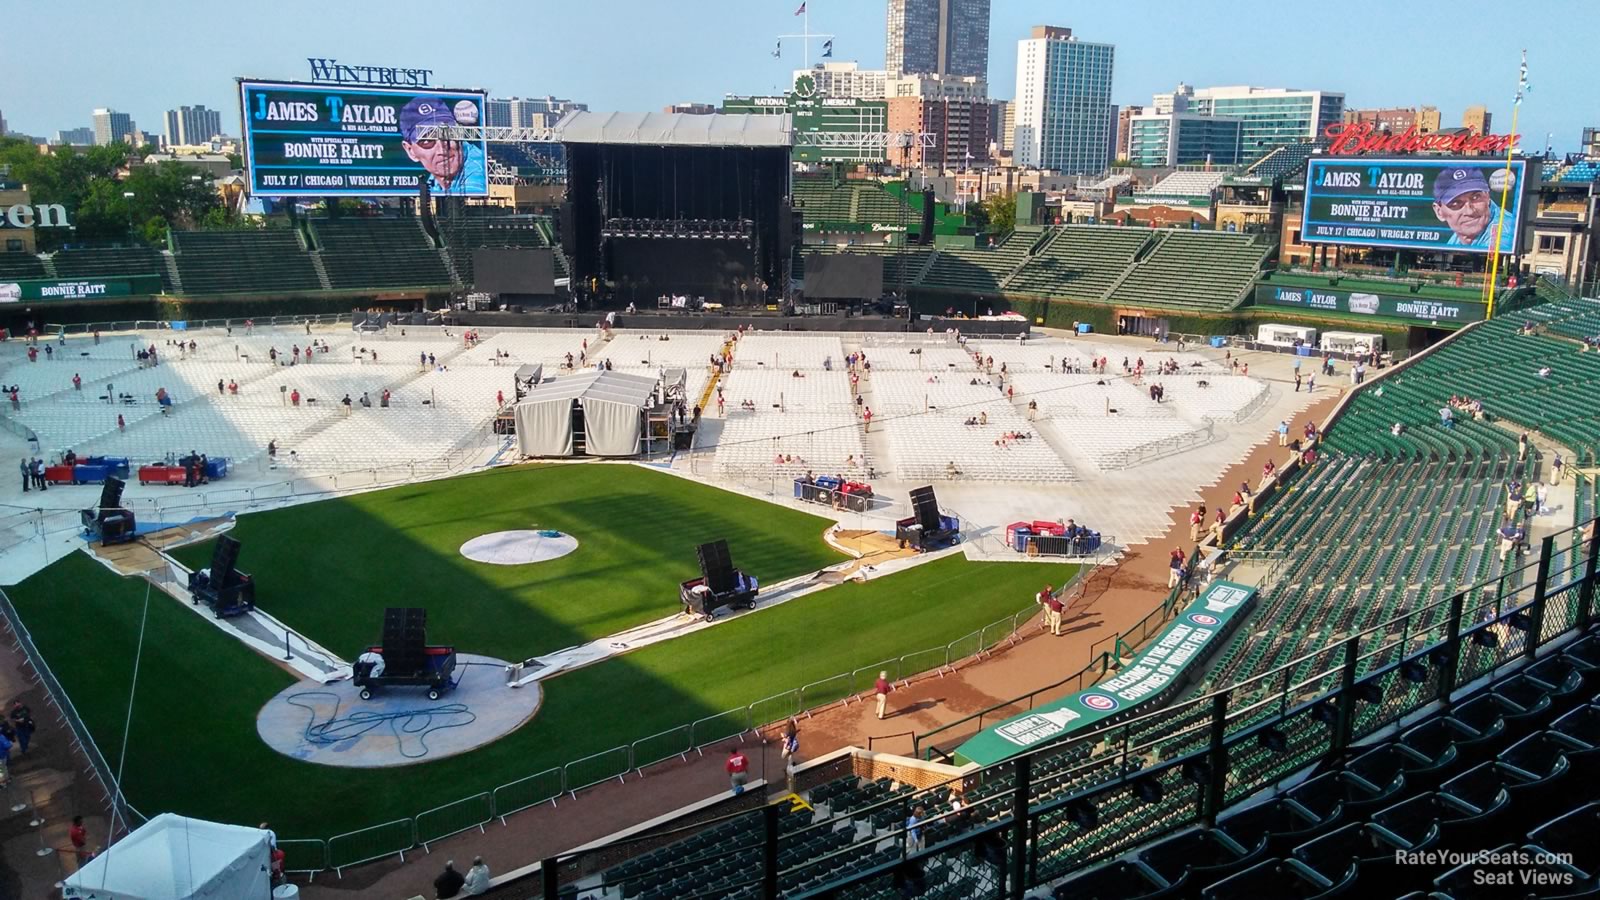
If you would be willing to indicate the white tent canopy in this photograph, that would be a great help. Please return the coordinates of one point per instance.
(176, 858)
(613, 410)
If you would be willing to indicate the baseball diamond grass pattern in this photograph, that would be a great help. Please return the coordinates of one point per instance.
(329, 569)
(194, 749)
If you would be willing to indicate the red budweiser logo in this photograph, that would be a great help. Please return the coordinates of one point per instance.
(1361, 138)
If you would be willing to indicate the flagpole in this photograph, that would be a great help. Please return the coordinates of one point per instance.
(1505, 187)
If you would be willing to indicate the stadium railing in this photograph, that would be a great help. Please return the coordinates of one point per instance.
(1182, 765)
(123, 816)
(53, 328)
(616, 764)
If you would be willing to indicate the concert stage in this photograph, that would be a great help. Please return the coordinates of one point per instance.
(676, 204)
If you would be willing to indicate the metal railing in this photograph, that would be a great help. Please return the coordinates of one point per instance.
(124, 817)
(1161, 447)
(163, 325)
(1090, 797)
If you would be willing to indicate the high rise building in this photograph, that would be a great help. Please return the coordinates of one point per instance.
(1008, 125)
(3, 129)
(1270, 116)
(960, 126)
(191, 125)
(1591, 143)
(1396, 119)
(1183, 138)
(843, 79)
(938, 37)
(1123, 116)
(1063, 102)
(538, 112)
(111, 127)
(1477, 118)
(79, 137)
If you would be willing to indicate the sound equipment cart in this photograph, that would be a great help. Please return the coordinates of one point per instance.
(228, 591)
(108, 522)
(719, 584)
(405, 658)
(926, 529)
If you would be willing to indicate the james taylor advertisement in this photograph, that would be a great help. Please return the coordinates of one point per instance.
(1447, 205)
(308, 140)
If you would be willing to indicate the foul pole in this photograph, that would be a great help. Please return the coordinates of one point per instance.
(1505, 188)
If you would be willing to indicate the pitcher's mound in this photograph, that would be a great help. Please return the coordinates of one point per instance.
(516, 548)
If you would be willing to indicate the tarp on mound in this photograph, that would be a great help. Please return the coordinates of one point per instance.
(176, 858)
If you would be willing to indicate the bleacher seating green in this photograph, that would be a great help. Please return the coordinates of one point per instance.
(21, 265)
(110, 262)
(1080, 261)
(467, 233)
(1204, 271)
(243, 261)
(378, 252)
(979, 269)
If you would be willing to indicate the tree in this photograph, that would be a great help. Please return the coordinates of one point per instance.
(1001, 211)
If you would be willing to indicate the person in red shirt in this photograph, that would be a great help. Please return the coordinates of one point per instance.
(882, 689)
(1053, 610)
(1196, 520)
(294, 397)
(738, 767)
(79, 836)
(500, 399)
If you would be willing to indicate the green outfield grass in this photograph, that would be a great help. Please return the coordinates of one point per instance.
(194, 750)
(329, 569)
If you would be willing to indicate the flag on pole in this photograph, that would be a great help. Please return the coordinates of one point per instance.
(777, 50)
(1522, 80)
(801, 11)
(827, 48)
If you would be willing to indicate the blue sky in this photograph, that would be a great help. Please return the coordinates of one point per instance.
(644, 54)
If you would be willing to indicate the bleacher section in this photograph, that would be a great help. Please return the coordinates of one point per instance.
(1080, 261)
(21, 265)
(1187, 184)
(824, 199)
(1497, 365)
(1203, 271)
(981, 270)
(239, 261)
(378, 252)
(1584, 170)
(110, 262)
(1285, 161)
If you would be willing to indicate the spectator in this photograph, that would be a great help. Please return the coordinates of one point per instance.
(77, 382)
(1053, 609)
(346, 404)
(121, 425)
(78, 836)
(477, 881)
(738, 768)
(791, 740)
(27, 475)
(882, 688)
(1175, 568)
(914, 829)
(1556, 466)
(449, 882)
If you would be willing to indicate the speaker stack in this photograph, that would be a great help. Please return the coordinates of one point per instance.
(716, 565)
(405, 639)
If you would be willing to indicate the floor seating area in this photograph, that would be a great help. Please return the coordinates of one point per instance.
(238, 261)
(767, 444)
(789, 352)
(777, 390)
(1113, 442)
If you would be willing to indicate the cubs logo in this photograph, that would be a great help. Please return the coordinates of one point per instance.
(1099, 702)
(1203, 619)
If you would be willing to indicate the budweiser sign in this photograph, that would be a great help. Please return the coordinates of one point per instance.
(1361, 138)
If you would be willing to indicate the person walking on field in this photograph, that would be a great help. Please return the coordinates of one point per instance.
(1283, 433)
(882, 689)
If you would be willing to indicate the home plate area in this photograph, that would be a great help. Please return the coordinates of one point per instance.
(330, 724)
